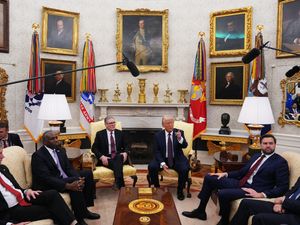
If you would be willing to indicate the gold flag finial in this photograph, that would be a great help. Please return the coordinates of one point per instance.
(88, 36)
(35, 26)
(201, 34)
(259, 28)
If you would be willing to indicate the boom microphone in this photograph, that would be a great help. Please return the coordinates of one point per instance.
(131, 66)
(292, 71)
(253, 53)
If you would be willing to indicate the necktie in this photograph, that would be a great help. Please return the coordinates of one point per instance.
(170, 151)
(112, 145)
(295, 195)
(62, 172)
(243, 181)
(5, 145)
(16, 193)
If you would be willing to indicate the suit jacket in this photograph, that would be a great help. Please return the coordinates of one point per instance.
(62, 87)
(3, 205)
(14, 140)
(46, 175)
(100, 146)
(272, 178)
(160, 146)
(292, 206)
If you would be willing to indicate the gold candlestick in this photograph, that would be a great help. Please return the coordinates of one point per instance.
(182, 94)
(129, 91)
(142, 94)
(117, 94)
(103, 95)
(155, 91)
(168, 96)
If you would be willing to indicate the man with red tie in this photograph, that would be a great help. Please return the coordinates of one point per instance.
(266, 175)
(109, 148)
(284, 210)
(21, 206)
(168, 153)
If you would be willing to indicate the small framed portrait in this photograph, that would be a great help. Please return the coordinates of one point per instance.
(230, 32)
(229, 83)
(4, 26)
(60, 31)
(60, 83)
(142, 36)
(288, 23)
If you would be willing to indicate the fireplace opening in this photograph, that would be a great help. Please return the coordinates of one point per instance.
(140, 143)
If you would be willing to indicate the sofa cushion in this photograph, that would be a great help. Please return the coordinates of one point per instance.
(102, 172)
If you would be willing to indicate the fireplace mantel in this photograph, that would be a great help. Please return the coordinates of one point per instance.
(148, 114)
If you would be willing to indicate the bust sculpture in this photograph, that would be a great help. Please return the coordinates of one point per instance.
(225, 118)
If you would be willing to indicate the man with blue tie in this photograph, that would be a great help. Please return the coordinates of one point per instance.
(51, 169)
(168, 153)
(266, 175)
(284, 210)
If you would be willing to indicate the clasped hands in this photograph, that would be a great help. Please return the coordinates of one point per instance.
(104, 159)
(76, 185)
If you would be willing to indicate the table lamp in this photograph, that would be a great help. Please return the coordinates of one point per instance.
(255, 112)
(54, 107)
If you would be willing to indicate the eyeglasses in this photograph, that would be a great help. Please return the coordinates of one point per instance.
(110, 123)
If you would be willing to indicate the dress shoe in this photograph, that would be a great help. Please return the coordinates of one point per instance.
(92, 216)
(180, 196)
(81, 222)
(195, 214)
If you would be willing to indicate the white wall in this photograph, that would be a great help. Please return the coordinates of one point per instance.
(98, 17)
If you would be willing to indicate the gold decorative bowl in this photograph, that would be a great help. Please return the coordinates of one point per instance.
(146, 206)
(144, 220)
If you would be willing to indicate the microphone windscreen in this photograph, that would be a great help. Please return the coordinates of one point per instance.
(250, 55)
(292, 71)
(132, 68)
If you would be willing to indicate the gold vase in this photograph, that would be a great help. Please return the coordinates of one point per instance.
(142, 93)
(129, 92)
(155, 91)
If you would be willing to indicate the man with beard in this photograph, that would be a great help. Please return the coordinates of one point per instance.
(266, 175)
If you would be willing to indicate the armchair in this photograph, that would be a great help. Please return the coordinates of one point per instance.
(101, 172)
(188, 133)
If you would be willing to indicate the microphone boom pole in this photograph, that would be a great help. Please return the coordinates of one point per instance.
(63, 72)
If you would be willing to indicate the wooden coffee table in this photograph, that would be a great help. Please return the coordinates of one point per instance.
(123, 215)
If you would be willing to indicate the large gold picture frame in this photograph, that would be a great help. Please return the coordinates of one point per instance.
(142, 36)
(67, 85)
(230, 32)
(60, 31)
(4, 26)
(288, 32)
(229, 83)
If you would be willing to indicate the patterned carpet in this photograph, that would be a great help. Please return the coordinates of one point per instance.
(197, 180)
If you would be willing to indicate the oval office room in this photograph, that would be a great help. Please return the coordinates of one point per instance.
(115, 73)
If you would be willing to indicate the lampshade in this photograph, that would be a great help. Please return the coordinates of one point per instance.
(54, 107)
(256, 110)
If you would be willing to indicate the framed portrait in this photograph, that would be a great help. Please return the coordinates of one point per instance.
(229, 83)
(60, 31)
(60, 83)
(230, 32)
(142, 36)
(4, 26)
(288, 32)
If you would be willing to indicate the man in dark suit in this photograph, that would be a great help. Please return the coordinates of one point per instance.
(284, 210)
(8, 139)
(109, 149)
(230, 90)
(168, 153)
(18, 205)
(266, 175)
(51, 169)
(59, 86)
(59, 37)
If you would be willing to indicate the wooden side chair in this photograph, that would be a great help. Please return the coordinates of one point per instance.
(101, 172)
(188, 129)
